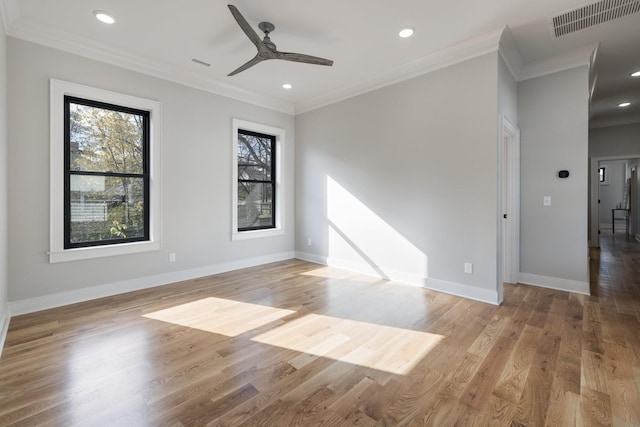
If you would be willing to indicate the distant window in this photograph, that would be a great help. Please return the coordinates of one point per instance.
(106, 174)
(256, 180)
(602, 172)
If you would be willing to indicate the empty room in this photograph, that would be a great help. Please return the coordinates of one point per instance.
(319, 213)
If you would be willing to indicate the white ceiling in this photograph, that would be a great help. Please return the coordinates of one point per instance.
(160, 37)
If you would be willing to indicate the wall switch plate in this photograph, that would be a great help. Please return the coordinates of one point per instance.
(468, 267)
(546, 201)
(172, 257)
(309, 242)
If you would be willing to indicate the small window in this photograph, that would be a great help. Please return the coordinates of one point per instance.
(602, 175)
(257, 192)
(106, 174)
(256, 181)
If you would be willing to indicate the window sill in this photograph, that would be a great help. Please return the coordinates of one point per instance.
(78, 254)
(255, 234)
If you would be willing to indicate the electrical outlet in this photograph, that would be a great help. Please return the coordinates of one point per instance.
(468, 268)
(172, 257)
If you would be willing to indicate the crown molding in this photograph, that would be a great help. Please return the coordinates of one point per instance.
(455, 54)
(497, 40)
(510, 54)
(553, 64)
(100, 52)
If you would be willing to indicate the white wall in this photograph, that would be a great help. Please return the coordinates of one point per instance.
(615, 141)
(196, 180)
(4, 309)
(402, 182)
(553, 120)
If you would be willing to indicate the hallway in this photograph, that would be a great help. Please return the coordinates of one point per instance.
(612, 329)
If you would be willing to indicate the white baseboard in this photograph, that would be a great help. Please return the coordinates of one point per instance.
(4, 326)
(556, 283)
(457, 289)
(31, 305)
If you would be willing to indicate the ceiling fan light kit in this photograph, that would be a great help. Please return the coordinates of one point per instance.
(266, 48)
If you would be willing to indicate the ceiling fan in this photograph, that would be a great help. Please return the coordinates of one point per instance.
(266, 48)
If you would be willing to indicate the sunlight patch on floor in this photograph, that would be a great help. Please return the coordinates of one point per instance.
(381, 347)
(220, 316)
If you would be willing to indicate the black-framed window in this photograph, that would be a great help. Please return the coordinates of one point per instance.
(602, 172)
(106, 173)
(256, 181)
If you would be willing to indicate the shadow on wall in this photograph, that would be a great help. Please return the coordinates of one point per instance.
(360, 240)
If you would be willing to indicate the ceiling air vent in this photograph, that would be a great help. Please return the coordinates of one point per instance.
(591, 15)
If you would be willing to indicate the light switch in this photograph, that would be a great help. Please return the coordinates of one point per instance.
(547, 200)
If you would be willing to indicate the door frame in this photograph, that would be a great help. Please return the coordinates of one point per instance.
(594, 195)
(508, 204)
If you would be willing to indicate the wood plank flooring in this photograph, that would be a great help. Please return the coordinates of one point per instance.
(298, 344)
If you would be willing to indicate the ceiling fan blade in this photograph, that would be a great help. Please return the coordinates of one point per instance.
(256, 59)
(300, 57)
(246, 27)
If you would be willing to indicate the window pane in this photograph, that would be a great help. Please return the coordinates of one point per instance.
(103, 140)
(106, 208)
(255, 202)
(254, 157)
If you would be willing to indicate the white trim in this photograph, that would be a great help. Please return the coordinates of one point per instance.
(5, 318)
(443, 58)
(509, 53)
(457, 289)
(554, 64)
(556, 283)
(281, 189)
(31, 305)
(508, 203)
(62, 40)
(57, 253)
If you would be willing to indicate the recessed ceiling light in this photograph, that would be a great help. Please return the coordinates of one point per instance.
(635, 74)
(624, 104)
(406, 32)
(104, 17)
(287, 86)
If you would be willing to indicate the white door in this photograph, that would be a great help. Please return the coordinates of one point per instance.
(510, 203)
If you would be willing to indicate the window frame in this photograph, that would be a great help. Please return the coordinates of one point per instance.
(278, 188)
(68, 172)
(57, 252)
(273, 168)
(605, 175)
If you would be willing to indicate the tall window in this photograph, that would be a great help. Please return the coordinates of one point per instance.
(256, 209)
(106, 176)
(602, 171)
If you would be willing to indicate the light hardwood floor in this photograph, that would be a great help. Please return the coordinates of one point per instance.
(295, 343)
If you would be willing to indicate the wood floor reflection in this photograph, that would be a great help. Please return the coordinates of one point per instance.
(294, 343)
